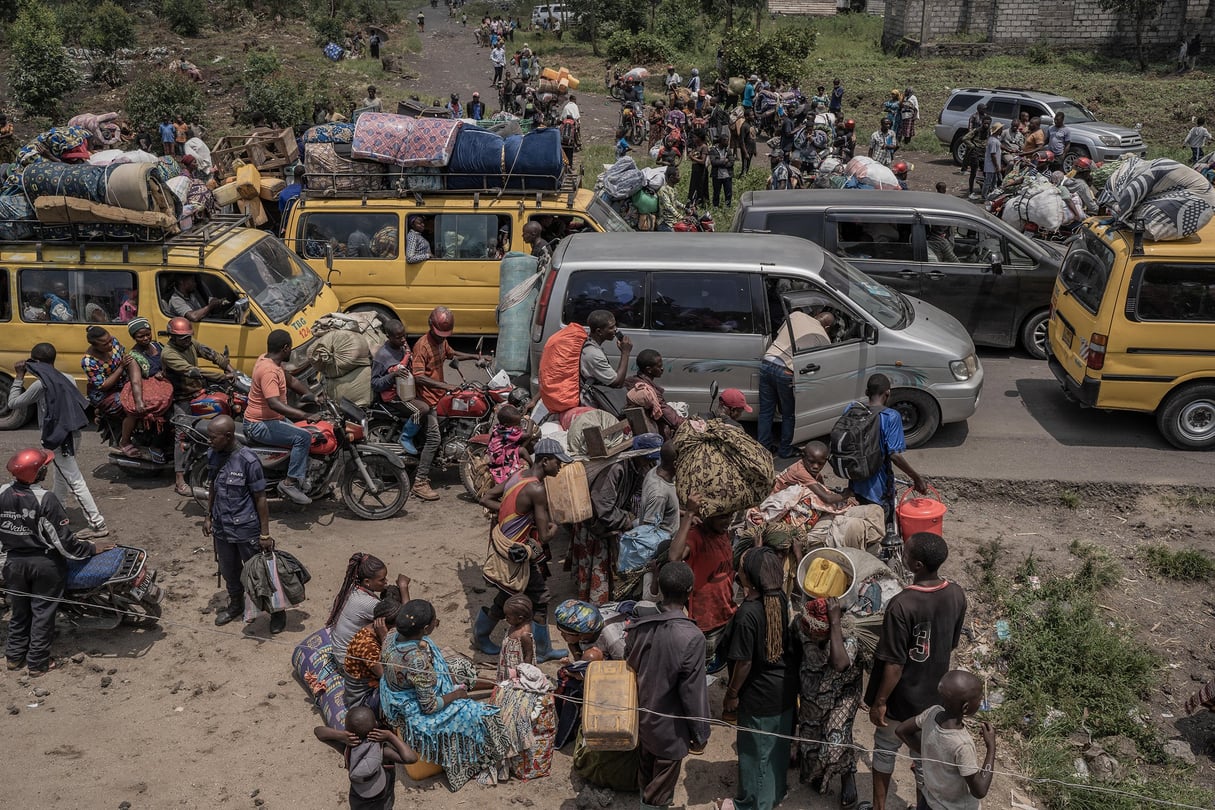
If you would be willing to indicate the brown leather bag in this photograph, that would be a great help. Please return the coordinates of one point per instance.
(507, 564)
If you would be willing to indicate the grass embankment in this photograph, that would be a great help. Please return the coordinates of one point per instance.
(1073, 676)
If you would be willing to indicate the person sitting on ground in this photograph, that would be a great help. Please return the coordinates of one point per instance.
(730, 406)
(644, 391)
(950, 770)
(370, 756)
(361, 668)
(519, 644)
(372, 103)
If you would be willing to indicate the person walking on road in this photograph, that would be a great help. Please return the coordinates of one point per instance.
(497, 58)
(37, 542)
(238, 518)
(61, 415)
(879, 487)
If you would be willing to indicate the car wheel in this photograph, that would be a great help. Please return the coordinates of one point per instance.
(958, 150)
(1071, 156)
(1186, 418)
(920, 414)
(1034, 334)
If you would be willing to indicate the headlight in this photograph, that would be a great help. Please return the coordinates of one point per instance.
(1110, 140)
(964, 369)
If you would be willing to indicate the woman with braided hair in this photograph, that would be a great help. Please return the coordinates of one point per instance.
(365, 583)
(763, 683)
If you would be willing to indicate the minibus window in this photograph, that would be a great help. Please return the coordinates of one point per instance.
(887, 306)
(1086, 271)
(1177, 292)
(467, 236)
(78, 296)
(351, 236)
(620, 292)
(279, 282)
(698, 302)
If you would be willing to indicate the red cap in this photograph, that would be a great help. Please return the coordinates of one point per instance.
(733, 398)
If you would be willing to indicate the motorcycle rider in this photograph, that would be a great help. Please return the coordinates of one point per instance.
(61, 415)
(180, 363)
(34, 535)
(268, 417)
(430, 354)
(845, 142)
(392, 362)
(238, 518)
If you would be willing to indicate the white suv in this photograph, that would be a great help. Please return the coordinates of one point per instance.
(1090, 138)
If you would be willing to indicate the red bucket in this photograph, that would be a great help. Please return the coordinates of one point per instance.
(922, 513)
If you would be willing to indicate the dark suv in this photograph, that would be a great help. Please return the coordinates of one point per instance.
(996, 281)
(1090, 137)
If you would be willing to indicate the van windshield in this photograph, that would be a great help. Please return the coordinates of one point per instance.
(890, 308)
(607, 218)
(279, 282)
(1086, 270)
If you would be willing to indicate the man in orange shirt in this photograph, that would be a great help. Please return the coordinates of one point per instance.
(268, 417)
(430, 352)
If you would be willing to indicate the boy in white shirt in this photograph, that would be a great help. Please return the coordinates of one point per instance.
(1197, 139)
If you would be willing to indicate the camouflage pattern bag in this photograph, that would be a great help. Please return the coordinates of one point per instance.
(724, 466)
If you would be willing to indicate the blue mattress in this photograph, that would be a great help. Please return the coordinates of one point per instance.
(535, 153)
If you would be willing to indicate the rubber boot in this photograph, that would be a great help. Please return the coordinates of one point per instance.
(544, 646)
(407, 433)
(482, 627)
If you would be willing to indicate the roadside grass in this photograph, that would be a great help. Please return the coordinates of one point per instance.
(1192, 500)
(1185, 565)
(1070, 668)
(1070, 498)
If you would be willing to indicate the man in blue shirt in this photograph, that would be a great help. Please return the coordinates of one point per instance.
(1058, 139)
(238, 517)
(748, 97)
(168, 136)
(836, 105)
(879, 487)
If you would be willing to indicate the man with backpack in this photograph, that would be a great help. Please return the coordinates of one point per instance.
(867, 443)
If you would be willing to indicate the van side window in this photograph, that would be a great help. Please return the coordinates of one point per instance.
(890, 241)
(467, 236)
(699, 302)
(184, 293)
(1177, 292)
(790, 225)
(1000, 109)
(78, 296)
(621, 293)
(6, 298)
(956, 240)
(352, 236)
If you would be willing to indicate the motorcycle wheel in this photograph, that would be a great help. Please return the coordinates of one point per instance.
(196, 479)
(474, 459)
(363, 502)
(149, 610)
(382, 431)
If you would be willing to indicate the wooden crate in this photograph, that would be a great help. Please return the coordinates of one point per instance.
(267, 149)
(569, 497)
(609, 715)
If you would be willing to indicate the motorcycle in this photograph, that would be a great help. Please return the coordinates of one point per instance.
(372, 480)
(466, 416)
(153, 436)
(112, 588)
(691, 223)
(632, 121)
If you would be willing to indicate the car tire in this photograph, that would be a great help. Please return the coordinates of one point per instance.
(1034, 336)
(1071, 156)
(920, 413)
(957, 149)
(1186, 418)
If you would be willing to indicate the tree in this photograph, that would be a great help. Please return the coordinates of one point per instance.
(41, 74)
(111, 29)
(1141, 12)
(163, 95)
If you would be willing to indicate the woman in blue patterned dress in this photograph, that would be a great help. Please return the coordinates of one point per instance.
(425, 697)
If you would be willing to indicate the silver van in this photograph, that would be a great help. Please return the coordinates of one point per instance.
(711, 303)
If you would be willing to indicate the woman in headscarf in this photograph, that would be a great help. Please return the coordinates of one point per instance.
(832, 669)
(425, 697)
(146, 394)
(763, 687)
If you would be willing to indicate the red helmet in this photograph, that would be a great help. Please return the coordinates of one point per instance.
(850, 124)
(1083, 164)
(1046, 156)
(26, 464)
(900, 168)
(180, 326)
(442, 322)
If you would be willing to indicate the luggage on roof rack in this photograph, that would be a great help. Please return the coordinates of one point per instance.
(204, 236)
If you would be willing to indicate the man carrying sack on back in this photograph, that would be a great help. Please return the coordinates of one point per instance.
(518, 549)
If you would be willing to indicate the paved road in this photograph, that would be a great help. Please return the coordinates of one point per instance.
(1025, 429)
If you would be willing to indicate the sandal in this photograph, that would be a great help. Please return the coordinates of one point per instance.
(183, 490)
(51, 667)
(130, 451)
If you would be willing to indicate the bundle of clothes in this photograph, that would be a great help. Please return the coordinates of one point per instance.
(58, 188)
(632, 192)
(1172, 200)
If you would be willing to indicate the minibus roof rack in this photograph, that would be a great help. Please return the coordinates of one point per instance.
(204, 236)
(417, 187)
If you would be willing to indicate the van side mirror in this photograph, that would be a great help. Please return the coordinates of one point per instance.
(995, 265)
(871, 334)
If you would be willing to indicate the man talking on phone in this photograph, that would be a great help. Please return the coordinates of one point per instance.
(594, 367)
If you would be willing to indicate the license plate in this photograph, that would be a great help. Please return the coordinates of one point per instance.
(142, 584)
(1067, 336)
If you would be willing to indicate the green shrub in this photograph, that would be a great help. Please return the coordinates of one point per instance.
(326, 29)
(75, 18)
(678, 22)
(1187, 565)
(41, 74)
(640, 48)
(779, 55)
(185, 17)
(111, 29)
(163, 94)
(282, 100)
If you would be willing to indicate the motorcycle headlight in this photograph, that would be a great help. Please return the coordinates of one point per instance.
(965, 368)
(1110, 140)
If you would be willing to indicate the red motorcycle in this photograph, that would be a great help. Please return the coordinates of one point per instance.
(466, 416)
(691, 223)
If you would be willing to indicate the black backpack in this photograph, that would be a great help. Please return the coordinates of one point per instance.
(857, 451)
